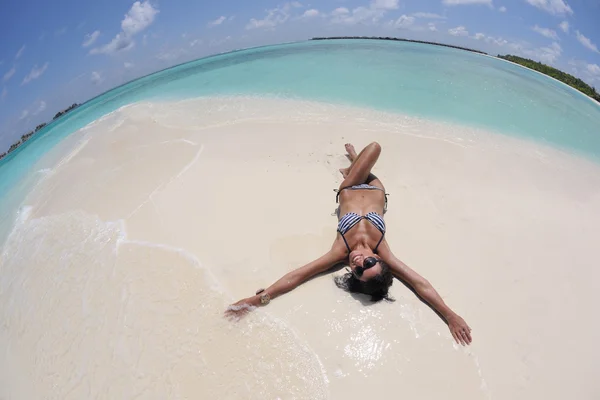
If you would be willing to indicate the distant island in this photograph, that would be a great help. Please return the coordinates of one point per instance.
(556, 74)
(66, 110)
(28, 135)
(399, 40)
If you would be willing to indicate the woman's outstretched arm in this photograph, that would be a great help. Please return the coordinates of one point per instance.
(291, 280)
(458, 327)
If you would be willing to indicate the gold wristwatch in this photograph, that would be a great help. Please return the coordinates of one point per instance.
(265, 298)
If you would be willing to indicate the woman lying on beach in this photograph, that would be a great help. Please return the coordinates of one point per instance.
(361, 243)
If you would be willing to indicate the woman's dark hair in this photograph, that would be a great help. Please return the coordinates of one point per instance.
(377, 287)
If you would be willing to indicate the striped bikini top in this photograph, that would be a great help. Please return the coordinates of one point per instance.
(350, 219)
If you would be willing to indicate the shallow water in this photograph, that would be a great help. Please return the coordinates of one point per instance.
(429, 81)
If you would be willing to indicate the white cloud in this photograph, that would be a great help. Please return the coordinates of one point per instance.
(384, 4)
(121, 42)
(217, 21)
(359, 15)
(275, 16)
(96, 78)
(41, 107)
(20, 52)
(547, 55)
(431, 26)
(404, 21)
(594, 69)
(195, 42)
(128, 65)
(90, 38)
(466, 2)
(340, 11)
(554, 7)
(364, 15)
(586, 42)
(311, 13)
(502, 9)
(549, 33)
(9, 74)
(479, 36)
(139, 17)
(24, 114)
(427, 15)
(458, 31)
(564, 26)
(35, 73)
(498, 41)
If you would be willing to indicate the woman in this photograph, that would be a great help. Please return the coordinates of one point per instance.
(361, 243)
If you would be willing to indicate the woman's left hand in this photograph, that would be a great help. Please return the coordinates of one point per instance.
(242, 307)
(461, 332)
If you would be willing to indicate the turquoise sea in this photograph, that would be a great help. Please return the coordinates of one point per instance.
(417, 79)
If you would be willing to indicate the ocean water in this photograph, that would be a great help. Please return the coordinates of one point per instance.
(428, 81)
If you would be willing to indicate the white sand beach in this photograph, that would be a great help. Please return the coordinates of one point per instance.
(150, 221)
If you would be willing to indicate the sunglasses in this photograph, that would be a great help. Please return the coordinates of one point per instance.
(369, 262)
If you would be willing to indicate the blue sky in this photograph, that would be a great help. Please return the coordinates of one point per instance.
(54, 54)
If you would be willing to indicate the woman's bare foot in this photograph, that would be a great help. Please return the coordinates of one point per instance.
(351, 156)
(351, 152)
(345, 172)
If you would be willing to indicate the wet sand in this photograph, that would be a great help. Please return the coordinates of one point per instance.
(149, 222)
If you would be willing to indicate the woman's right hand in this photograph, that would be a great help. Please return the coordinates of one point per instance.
(242, 307)
(461, 332)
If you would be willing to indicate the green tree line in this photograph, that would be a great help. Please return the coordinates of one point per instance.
(29, 134)
(395, 39)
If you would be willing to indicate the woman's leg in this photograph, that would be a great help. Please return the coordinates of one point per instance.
(360, 170)
(352, 156)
